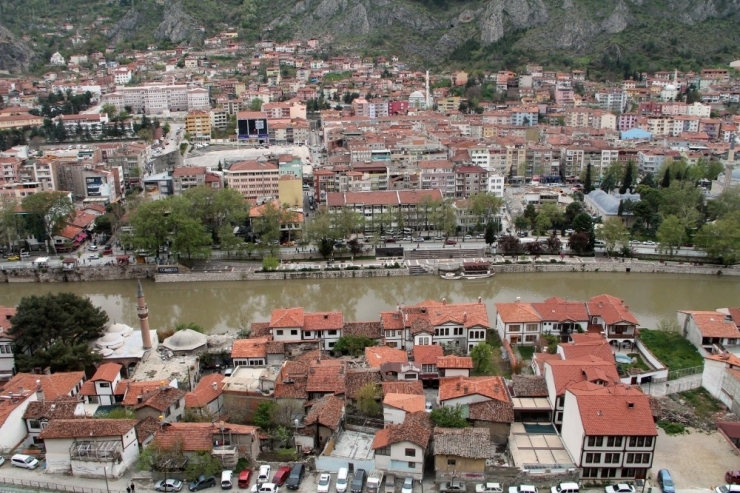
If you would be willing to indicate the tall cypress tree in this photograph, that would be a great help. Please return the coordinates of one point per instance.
(666, 182)
(628, 179)
(587, 186)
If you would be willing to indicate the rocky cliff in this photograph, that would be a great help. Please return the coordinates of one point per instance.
(14, 54)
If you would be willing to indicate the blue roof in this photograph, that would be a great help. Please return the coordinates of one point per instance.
(636, 133)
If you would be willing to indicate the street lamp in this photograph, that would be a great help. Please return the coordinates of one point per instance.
(105, 474)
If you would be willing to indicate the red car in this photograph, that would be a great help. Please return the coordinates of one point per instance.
(450, 242)
(244, 478)
(732, 477)
(281, 475)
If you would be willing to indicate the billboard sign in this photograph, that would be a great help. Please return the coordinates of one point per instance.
(253, 128)
(93, 185)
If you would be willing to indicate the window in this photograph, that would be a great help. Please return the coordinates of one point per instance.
(630, 458)
(34, 424)
(177, 404)
(383, 451)
(608, 472)
(167, 412)
(412, 465)
(515, 328)
(294, 332)
(648, 441)
(332, 332)
(531, 328)
(530, 338)
(451, 462)
(614, 442)
(612, 458)
(410, 452)
(592, 458)
(278, 332)
(646, 458)
(590, 472)
(5, 349)
(628, 472)
(595, 441)
(641, 441)
(104, 385)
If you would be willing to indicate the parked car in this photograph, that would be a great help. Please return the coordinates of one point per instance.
(566, 488)
(620, 488)
(341, 484)
(2, 460)
(108, 251)
(324, 483)
(245, 477)
(523, 488)
(408, 485)
(732, 477)
(489, 488)
(13, 258)
(358, 481)
(467, 237)
(452, 486)
(450, 242)
(296, 476)
(168, 485)
(24, 461)
(728, 488)
(265, 488)
(665, 480)
(428, 407)
(264, 474)
(281, 476)
(202, 482)
(92, 248)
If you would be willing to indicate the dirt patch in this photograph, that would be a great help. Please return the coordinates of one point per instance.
(695, 409)
(696, 460)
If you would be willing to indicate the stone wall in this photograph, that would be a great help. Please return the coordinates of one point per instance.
(637, 267)
(89, 273)
(279, 276)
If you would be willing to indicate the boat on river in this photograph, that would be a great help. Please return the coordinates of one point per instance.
(471, 270)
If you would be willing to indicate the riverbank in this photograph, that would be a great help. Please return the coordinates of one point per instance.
(79, 274)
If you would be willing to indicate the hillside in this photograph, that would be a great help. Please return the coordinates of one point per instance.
(603, 35)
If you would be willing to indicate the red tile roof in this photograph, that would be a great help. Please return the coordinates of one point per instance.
(153, 394)
(107, 372)
(326, 411)
(567, 372)
(323, 321)
(714, 324)
(455, 362)
(287, 318)
(559, 310)
(195, 437)
(249, 348)
(411, 403)
(54, 386)
(517, 312)
(587, 345)
(611, 309)
(84, 428)
(428, 314)
(204, 393)
(416, 428)
(357, 378)
(614, 411)
(427, 354)
(415, 387)
(377, 355)
(491, 387)
(326, 376)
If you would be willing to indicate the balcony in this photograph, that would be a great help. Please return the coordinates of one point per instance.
(103, 451)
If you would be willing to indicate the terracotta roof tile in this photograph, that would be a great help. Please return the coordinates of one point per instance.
(287, 318)
(611, 309)
(416, 428)
(62, 408)
(88, 388)
(275, 347)
(567, 372)
(614, 411)
(84, 428)
(371, 330)
(470, 443)
(455, 387)
(121, 387)
(152, 394)
(326, 376)
(204, 393)
(517, 312)
(255, 347)
(107, 372)
(559, 310)
(540, 358)
(357, 378)
(494, 410)
(326, 411)
(377, 355)
(323, 321)
(415, 387)
(197, 436)
(455, 362)
(714, 324)
(260, 329)
(146, 428)
(411, 403)
(596, 346)
(427, 354)
(6, 313)
(54, 385)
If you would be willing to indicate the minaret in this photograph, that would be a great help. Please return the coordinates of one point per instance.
(729, 164)
(143, 311)
(428, 101)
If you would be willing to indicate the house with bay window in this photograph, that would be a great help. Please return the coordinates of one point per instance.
(609, 431)
(518, 323)
(293, 325)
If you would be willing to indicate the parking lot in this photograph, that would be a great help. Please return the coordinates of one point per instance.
(697, 460)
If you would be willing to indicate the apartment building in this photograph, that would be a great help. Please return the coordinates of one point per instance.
(198, 125)
(188, 177)
(255, 180)
(158, 99)
(437, 175)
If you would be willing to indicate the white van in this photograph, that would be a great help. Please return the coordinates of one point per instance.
(342, 476)
(25, 254)
(226, 477)
(565, 488)
(24, 461)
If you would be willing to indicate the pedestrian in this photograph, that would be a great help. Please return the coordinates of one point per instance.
(128, 489)
(133, 487)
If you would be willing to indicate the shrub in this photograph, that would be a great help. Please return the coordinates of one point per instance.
(672, 428)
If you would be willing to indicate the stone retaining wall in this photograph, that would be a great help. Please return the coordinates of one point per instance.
(91, 273)
(636, 267)
(279, 276)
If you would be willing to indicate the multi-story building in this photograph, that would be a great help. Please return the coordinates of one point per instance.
(198, 125)
(255, 180)
(437, 175)
(158, 99)
(609, 431)
(470, 180)
(82, 124)
(219, 118)
(614, 99)
(188, 177)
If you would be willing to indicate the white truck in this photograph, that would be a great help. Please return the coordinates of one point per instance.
(373, 481)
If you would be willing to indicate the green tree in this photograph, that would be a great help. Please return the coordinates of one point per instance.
(683, 200)
(579, 242)
(270, 262)
(671, 234)
(217, 208)
(157, 457)
(204, 463)
(109, 110)
(629, 171)
(481, 355)
(588, 181)
(509, 245)
(583, 223)
(151, 225)
(262, 416)
(166, 129)
(189, 326)
(55, 331)
(725, 203)
(255, 104)
(486, 207)
(190, 238)
(449, 417)
(614, 234)
(530, 212)
(368, 397)
(12, 223)
(553, 244)
(445, 219)
(353, 345)
(571, 211)
(53, 209)
(721, 239)
(347, 222)
(490, 234)
(521, 223)
(612, 177)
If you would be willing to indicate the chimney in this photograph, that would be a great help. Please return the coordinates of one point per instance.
(465, 316)
(457, 387)
(480, 300)
(630, 405)
(215, 386)
(139, 399)
(518, 299)
(465, 389)
(444, 301)
(39, 391)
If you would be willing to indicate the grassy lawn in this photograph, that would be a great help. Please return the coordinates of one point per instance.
(500, 366)
(639, 363)
(526, 351)
(671, 349)
(703, 404)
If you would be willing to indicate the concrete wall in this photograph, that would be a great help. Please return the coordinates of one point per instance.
(81, 274)
(278, 276)
(462, 464)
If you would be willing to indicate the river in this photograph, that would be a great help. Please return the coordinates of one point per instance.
(220, 306)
